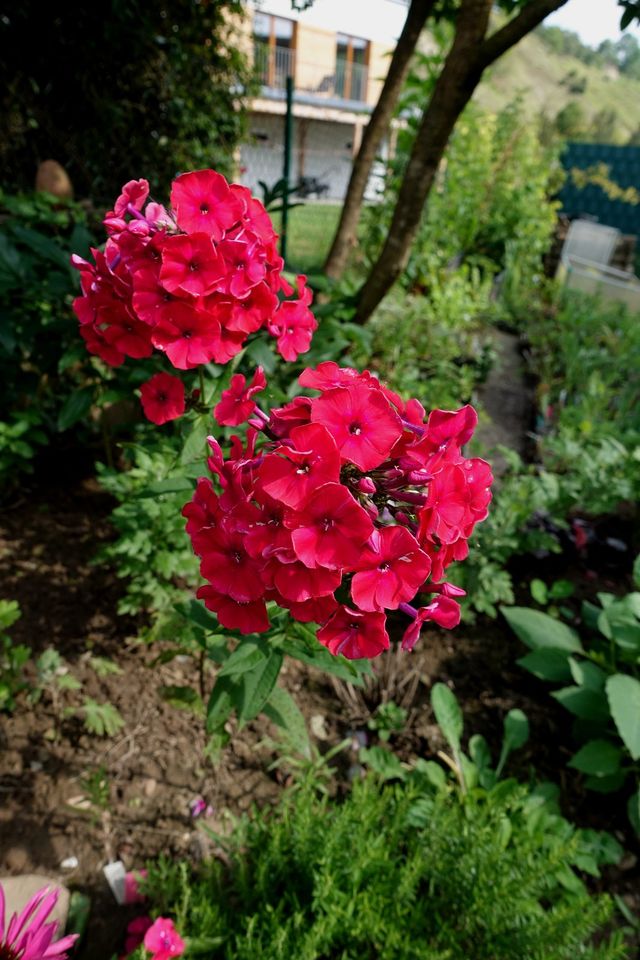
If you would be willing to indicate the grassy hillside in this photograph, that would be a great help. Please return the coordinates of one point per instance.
(537, 72)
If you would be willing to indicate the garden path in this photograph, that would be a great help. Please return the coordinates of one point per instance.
(506, 399)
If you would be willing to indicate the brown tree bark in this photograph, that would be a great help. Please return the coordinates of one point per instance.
(374, 132)
(470, 54)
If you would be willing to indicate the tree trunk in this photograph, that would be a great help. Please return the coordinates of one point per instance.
(373, 135)
(470, 54)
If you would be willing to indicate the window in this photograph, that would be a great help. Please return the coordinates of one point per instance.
(274, 49)
(351, 67)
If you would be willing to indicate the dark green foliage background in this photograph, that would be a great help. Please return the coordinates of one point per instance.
(119, 90)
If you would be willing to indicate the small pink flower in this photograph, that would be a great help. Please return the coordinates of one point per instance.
(391, 570)
(247, 616)
(131, 886)
(355, 634)
(237, 404)
(199, 806)
(442, 610)
(361, 421)
(294, 324)
(203, 202)
(163, 940)
(191, 264)
(331, 529)
(135, 933)
(134, 193)
(162, 398)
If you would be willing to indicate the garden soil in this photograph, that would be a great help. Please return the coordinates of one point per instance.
(155, 766)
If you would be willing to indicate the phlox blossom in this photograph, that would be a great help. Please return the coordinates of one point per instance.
(361, 421)
(204, 203)
(354, 634)
(162, 398)
(193, 281)
(237, 404)
(394, 568)
(339, 508)
(163, 941)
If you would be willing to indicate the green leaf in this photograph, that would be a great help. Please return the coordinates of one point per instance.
(170, 485)
(262, 355)
(602, 845)
(383, 762)
(516, 734)
(620, 624)
(627, 17)
(319, 657)
(9, 613)
(103, 719)
(104, 667)
(623, 693)
(78, 917)
(547, 664)
(45, 247)
(609, 784)
(448, 715)
(590, 613)
(583, 703)
(258, 685)
(636, 571)
(599, 758)
(195, 446)
(539, 591)
(282, 709)
(538, 630)
(224, 697)
(75, 408)
(561, 589)
(247, 655)
(184, 698)
(587, 674)
(430, 771)
(479, 751)
(198, 614)
(633, 810)
(516, 729)
(67, 681)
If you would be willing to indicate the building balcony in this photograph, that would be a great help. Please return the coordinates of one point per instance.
(343, 84)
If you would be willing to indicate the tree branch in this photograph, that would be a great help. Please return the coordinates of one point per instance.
(527, 20)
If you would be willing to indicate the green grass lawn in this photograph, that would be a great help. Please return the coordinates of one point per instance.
(311, 230)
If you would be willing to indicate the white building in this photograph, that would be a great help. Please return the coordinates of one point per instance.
(337, 52)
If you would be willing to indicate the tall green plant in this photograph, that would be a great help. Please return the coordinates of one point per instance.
(601, 685)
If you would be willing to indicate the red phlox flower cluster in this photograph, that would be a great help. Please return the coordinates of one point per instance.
(339, 508)
(193, 281)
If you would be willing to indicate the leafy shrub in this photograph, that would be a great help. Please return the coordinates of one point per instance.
(152, 551)
(13, 657)
(42, 364)
(435, 346)
(399, 871)
(586, 355)
(491, 205)
(171, 78)
(601, 689)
